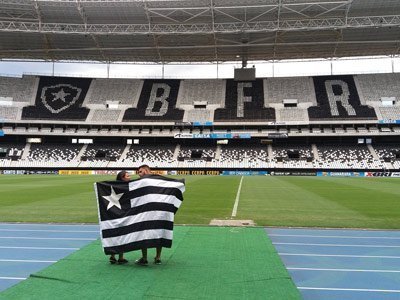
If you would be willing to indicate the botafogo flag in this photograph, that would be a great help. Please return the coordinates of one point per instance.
(139, 213)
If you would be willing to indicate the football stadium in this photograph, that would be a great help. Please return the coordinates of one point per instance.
(264, 184)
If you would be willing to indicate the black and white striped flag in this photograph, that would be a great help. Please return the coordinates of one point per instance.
(139, 213)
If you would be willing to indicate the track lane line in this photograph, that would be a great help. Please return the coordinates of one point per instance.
(344, 270)
(38, 248)
(337, 245)
(337, 255)
(347, 289)
(13, 278)
(28, 260)
(43, 238)
(47, 224)
(335, 236)
(44, 230)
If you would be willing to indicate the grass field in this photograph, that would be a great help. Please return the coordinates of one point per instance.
(269, 201)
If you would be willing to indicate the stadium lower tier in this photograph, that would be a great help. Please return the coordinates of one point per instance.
(337, 153)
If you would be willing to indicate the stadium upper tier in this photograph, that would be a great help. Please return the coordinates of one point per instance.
(297, 100)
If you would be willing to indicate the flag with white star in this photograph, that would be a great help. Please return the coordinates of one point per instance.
(139, 213)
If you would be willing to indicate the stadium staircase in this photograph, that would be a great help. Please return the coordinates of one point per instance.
(389, 166)
(176, 152)
(315, 151)
(90, 115)
(83, 149)
(124, 153)
(373, 152)
(121, 116)
(25, 152)
(270, 152)
(218, 153)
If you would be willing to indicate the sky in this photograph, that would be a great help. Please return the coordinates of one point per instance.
(264, 69)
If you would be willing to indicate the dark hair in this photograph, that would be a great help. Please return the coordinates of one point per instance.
(144, 166)
(121, 175)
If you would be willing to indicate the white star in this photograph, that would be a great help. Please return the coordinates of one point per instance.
(60, 95)
(113, 199)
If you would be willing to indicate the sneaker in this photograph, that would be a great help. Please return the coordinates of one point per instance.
(157, 261)
(122, 261)
(113, 260)
(141, 261)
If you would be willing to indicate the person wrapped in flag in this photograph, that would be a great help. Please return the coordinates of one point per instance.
(121, 176)
(138, 214)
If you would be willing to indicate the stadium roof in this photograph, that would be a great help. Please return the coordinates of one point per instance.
(197, 30)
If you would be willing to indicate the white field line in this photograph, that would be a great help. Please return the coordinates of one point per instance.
(37, 238)
(336, 236)
(345, 270)
(235, 206)
(28, 260)
(13, 278)
(349, 290)
(337, 255)
(38, 248)
(338, 245)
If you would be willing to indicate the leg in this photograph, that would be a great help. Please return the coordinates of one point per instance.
(121, 259)
(158, 252)
(157, 259)
(144, 253)
(143, 260)
(112, 259)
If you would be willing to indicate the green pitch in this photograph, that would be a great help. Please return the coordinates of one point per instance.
(269, 201)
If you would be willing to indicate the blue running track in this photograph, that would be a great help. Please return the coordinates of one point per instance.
(29, 248)
(324, 264)
(341, 264)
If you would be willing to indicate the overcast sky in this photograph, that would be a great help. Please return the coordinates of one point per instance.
(222, 70)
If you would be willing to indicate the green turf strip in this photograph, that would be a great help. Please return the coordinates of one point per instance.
(204, 263)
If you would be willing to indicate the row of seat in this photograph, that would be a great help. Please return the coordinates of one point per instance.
(317, 156)
(172, 131)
